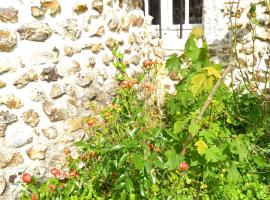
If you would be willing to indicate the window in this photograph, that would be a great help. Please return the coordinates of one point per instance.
(168, 13)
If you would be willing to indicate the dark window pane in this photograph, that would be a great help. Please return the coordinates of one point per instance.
(143, 8)
(154, 11)
(176, 11)
(195, 11)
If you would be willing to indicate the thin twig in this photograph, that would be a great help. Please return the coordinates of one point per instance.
(206, 105)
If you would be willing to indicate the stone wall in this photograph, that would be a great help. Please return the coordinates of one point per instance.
(253, 63)
(55, 58)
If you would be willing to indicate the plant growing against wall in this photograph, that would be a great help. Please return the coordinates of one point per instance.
(209, 141)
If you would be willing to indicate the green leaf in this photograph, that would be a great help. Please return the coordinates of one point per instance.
(173, 63)
(142, 190)
(120, 186)
(214, 154)
(129, 185)
(233, 175)
(178, 127)
(137, 161)
(173, 159)
(252, 8)
(194, 128)
(201, 147)
(122, 160)
(239, 148)
(261, 162)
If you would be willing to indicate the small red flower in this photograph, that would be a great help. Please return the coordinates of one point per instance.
(26, 178)
(73, 174)
(183, 166)
(91, 122)
(61, 175)
(148, 63)
(34, 197)
(55, 171)
(151, 146)
(51, 188)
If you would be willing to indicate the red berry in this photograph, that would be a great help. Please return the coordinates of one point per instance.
(26, 178)
(34, 197)
(151, 146)
(54, 171)
(183, 166)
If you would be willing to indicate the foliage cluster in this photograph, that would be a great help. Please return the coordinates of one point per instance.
(188, 151)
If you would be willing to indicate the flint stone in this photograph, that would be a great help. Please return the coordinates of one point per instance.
(98, 5)
(3, 185)
(26, 78)
(49, 74)
(31, 118)
(50, 133)
(113, 24)
(57, 91)
(35, 31)
(9, 14)
(8, 40)
(37, 12)
(84, 80)
(37, 94)
(37, 152)
(11, 101)
(6, 118)
(52, 6)
(2, 84)
(18, 139)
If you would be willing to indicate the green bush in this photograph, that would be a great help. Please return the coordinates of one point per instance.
(136, 152)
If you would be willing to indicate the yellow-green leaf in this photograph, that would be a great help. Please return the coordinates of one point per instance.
(197, 32)
(213, 72)
(201, 147)
(198, 83)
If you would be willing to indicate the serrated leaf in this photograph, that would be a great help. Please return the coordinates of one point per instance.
(173, 63)
(211, 71)
(197, 32)
(201, 147)
(214, 154)
(239, 148)
(198, 83)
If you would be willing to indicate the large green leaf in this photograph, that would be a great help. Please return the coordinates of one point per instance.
(137, 161)
(173, 159)
(173, 63)
(198, 83)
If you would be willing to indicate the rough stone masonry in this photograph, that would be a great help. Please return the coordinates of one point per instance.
(55, 58)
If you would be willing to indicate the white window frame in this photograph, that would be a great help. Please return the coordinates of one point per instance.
(167, 21)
